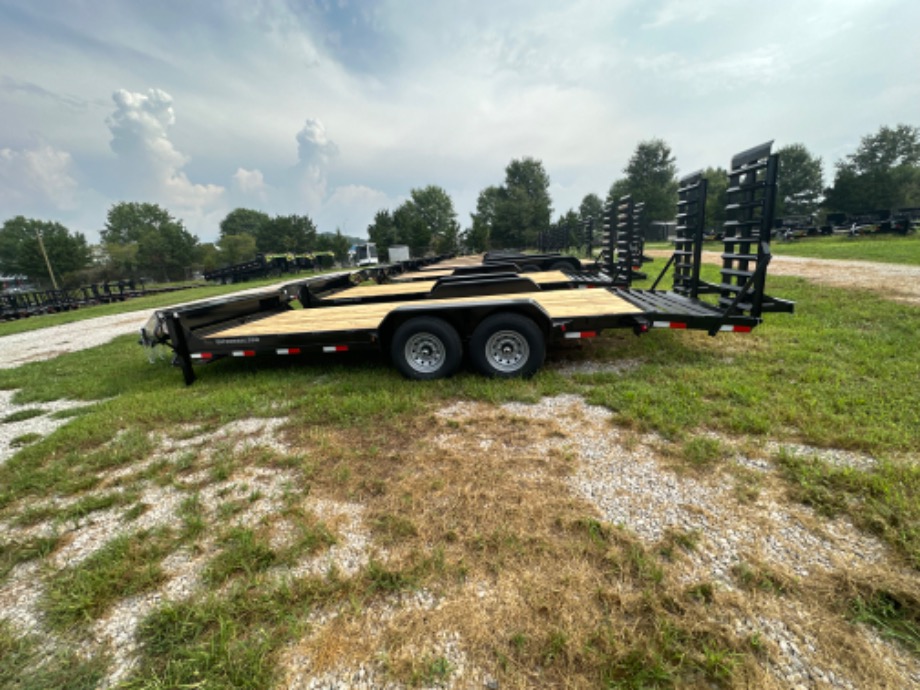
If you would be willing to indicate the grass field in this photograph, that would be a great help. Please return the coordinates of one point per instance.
(892, 249)
(581, 603)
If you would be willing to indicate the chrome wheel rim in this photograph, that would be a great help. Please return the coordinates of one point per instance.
(425, 353)
(507, 351)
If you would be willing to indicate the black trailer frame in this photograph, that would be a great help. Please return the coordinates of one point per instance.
(503, 320)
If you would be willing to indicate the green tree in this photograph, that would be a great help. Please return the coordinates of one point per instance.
(525, 209)
(165, 249)
(122, 258)
(382, 231)
(651, 178)
(291, 233)
(617, 191)
(435, 209)
(338, 244)
(425, 222)
(567, 229)
(234, 249)
(478, 237)
(800, 183)
(591, 207)
(883, 173)
(244, 221)
(209, 257)
(21, 254)
(716, 197)
(515, 214)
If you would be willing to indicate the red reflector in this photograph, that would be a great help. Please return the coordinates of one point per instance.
(677, 325)
(743, 329)
(341, 348)
(202, 355)
(589, 334)
(293, 351)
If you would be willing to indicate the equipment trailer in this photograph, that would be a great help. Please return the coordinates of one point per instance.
(503, 321)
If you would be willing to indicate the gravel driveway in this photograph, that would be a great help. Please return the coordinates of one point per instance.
(895, 281)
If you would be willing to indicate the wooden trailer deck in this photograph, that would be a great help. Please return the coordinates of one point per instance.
(559, 304)
(420, 286)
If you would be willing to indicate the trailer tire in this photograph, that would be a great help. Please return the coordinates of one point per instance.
(426, 348)
(507, 345)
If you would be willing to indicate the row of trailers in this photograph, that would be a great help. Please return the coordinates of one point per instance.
(501, 311)
(21, 304)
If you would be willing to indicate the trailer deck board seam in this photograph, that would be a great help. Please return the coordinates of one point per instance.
(559, 304)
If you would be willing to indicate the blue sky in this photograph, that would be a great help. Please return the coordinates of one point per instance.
(339, 108)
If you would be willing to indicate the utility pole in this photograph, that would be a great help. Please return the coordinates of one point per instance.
(41, 245)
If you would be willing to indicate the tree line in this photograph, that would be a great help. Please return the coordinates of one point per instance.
(146, 240)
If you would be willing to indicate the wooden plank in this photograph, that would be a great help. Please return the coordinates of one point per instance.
(558, 304)
(386, 289)
(423, 286)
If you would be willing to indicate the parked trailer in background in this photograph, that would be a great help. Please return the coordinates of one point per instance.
(504, 322)
(398, 253)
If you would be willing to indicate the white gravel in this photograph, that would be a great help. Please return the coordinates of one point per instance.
(47, 343)
(41, 424)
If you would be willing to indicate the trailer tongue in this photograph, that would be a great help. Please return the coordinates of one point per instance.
(504, 321)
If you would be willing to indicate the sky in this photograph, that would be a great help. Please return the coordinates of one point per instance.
(338, 108)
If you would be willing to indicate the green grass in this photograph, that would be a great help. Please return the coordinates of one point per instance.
(127, 565)
(13, 553)
(884, 500)
(841, 373)
(22, 415)
(26, 663)
(892, 249)
(896, 617)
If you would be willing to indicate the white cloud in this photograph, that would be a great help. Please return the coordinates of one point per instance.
(690, 11)
(250, 183)
(150, 162)
(314, 150)
(36, 177)
(351, 208)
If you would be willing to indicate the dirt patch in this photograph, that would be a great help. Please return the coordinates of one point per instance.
(506, 546)
(893, 281)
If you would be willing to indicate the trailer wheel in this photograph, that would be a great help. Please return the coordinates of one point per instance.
(507, 345)
(426, 348)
